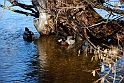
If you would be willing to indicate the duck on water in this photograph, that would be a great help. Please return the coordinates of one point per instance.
(28, 35)
(66, 41)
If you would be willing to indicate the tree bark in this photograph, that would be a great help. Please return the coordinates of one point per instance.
(41, 23)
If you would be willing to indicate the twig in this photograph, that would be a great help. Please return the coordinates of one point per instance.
(3, 9)
(96, 5)
(102, 77)
(109, 16)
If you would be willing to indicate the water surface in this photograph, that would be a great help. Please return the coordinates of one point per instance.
(43, 60)
(17, 57)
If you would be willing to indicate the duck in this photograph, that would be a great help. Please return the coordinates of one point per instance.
(28, 35)
(66, 41)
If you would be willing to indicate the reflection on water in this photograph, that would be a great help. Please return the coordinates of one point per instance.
(61, 65)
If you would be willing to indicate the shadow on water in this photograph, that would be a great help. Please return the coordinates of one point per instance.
(63, 65)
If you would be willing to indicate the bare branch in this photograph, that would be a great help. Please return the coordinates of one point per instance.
(18, 11)
(3, 9)
(97, 5)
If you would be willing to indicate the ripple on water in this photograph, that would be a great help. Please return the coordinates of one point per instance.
(16, 55)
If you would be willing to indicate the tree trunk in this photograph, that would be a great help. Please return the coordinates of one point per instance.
(41, 23)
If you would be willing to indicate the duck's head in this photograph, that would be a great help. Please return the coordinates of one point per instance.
(64, 38)
(26, 29)
(63, 42)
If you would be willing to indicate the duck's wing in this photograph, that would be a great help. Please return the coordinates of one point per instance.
(32, 33)
(26, 33)
(72, 41)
